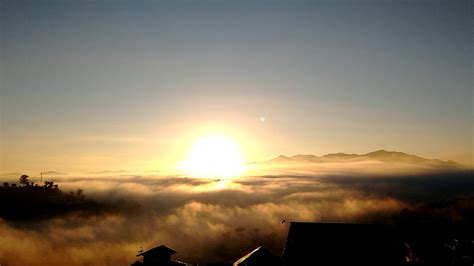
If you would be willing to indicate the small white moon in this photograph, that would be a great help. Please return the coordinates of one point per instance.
(262, 119)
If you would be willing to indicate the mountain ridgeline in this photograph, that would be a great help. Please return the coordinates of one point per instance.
(380, 155)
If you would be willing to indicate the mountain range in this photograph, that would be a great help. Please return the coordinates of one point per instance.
(380, 155)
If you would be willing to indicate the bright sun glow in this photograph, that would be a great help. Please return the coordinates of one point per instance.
(214, 156)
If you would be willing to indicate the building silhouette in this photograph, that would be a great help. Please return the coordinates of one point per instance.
(259, 256)
(340, 244)
(158, 256)
(331, 244)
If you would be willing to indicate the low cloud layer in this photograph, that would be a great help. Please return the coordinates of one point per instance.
(213, 220)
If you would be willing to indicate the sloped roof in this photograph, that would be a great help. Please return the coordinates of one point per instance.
(259, 256)
(339, 244)
(160, 251)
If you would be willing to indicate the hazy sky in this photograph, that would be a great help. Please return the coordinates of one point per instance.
(109, 85)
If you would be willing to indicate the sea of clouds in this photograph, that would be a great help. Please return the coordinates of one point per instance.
(212, 219)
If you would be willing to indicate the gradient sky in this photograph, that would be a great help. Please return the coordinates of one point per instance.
(109, 85)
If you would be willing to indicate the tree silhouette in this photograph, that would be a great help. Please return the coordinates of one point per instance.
(49, 184)
(80, 194)
(24, 180)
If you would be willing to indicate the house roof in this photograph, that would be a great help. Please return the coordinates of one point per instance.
(338, 244)
(158, 251)
(259, 256)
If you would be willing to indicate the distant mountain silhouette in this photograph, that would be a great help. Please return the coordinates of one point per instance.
(10, 175)
(107, 172)
(380, 155)
(16, 175)
(281, 158)
(53, 173)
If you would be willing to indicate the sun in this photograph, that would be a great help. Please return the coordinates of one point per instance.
(214, 156)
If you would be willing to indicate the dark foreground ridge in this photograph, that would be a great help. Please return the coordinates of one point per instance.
(29, 201)
(377, 244)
